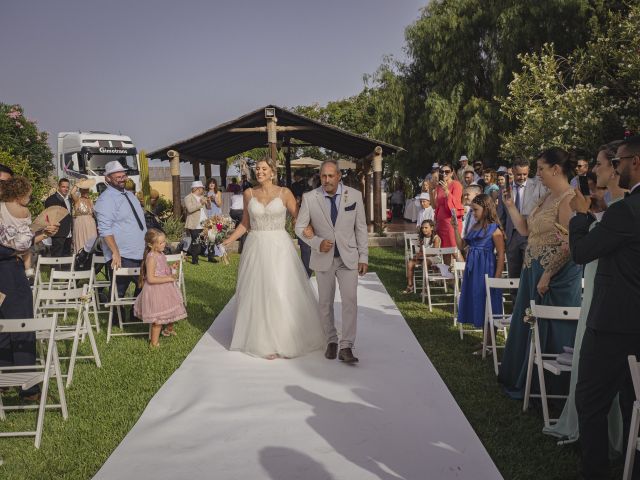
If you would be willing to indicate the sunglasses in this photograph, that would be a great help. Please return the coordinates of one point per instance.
(446, 172)
(616, 160)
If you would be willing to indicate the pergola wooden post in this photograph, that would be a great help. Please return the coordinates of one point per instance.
(287, 164)
(195, 165)
(207, 171)
(223, 173)
(377, 188)
(174, 156)
(366, 187)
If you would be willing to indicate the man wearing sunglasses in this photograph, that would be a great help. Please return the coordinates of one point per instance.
(613, 323)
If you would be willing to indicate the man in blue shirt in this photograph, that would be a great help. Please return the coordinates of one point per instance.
(120, 225)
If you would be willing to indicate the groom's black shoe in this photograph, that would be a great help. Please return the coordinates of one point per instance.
(332, 351)
(346, 356)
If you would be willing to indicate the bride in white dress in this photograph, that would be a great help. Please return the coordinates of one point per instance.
(276, 309)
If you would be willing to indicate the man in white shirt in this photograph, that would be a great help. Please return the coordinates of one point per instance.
(468, 221)
(464, 163)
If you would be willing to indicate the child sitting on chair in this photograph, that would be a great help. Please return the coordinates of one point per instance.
(428, 238)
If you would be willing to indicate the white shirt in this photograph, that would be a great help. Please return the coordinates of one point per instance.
(237, 202)
(68, 204)
(425, 214)
(634, 187)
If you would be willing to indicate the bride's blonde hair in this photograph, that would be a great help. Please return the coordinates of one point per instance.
(270, 162)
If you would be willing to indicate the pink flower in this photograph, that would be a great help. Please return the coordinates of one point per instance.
(13, 114)
(219, 226)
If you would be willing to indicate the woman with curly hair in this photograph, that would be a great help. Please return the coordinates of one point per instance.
(16, 239)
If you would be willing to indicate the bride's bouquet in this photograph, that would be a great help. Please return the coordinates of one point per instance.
(214, 230)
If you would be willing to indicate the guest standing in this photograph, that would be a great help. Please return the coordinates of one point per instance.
(485, 236)
(160, 302)
(549, 276)
(61, 241)
(446, 194)
(120, 225)
(567, 425)
(17, 349)
(215, 198)
(195, 204)
(84, 225)
(613, 329)
(516, 243)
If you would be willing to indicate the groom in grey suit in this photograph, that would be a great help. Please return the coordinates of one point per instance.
(339, 249)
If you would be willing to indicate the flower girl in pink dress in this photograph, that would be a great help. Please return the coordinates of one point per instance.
(160, 302)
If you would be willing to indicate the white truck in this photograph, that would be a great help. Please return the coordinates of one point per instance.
(85, 154)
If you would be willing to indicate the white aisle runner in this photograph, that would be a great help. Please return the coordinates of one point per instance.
(225, 415)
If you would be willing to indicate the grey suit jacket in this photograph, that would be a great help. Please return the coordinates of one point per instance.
(349, 233)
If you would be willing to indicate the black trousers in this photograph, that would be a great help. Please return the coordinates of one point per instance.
(16, 349)
(236, 215)
(515, 260)
(603, 372)
(195, 247)
(60, 247)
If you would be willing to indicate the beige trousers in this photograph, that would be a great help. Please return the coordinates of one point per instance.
(348, 284)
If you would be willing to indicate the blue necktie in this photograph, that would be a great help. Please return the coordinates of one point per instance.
(518, 187)
(334, 217)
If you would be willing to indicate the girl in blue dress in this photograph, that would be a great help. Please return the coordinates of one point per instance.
(485, 237)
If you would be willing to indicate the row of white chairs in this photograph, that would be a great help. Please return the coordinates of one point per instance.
(56, 298)
(501, 321)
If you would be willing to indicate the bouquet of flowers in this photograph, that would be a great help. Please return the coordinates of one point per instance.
(214, 230)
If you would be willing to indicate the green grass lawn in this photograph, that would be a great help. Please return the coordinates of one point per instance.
(105, 403)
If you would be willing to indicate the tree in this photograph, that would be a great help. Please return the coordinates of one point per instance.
(462, 55)
(579, 102)
(20, 137)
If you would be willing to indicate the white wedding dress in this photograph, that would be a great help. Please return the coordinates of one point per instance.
(276, 309)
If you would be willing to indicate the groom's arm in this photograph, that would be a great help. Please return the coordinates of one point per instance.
(362, 233)
(303, 220)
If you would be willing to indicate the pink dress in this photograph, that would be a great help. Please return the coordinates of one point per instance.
(443, 207)
(161, 302)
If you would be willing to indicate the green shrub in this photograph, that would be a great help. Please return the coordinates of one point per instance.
(41, 187)
(173, 229)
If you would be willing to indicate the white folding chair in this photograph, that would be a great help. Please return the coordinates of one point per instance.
(77, 279)
(62, 301)
(179, 259)
(430, 277)
(116, 303)
(408, 239)
(545, 361)
(634, 442)
(54, 263)
(26, 376)
(495, 321)
(458, 275)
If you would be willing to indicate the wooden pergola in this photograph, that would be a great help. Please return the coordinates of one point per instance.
(277, 127)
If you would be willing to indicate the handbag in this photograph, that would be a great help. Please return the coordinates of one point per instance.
(84, 257)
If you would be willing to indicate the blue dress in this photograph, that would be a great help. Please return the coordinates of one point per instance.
(480, 261)
(544, 253)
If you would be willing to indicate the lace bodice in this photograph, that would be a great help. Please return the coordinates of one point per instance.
(544, 243)
(271, 216)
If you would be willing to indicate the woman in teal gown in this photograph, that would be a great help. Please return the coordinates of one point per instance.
(566, 428)
(548, 277)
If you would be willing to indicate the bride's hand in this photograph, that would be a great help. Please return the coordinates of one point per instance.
(308, 232)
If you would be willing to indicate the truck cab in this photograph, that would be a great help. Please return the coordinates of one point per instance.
(85, 155)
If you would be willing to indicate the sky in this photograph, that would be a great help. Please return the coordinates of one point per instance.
(162, 71)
